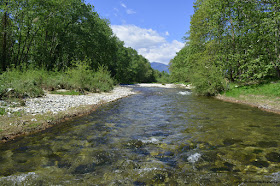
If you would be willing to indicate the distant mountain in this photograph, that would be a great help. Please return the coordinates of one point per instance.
(160, 67)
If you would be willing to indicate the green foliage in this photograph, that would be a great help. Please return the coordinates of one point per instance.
(180, 66)
(236, 41)
(208, 81)
(80, 77)
(162, 77)
(71, 93)
(50, 35)
(102, 81)
(267, 89)
(17, 84)
(2, 111)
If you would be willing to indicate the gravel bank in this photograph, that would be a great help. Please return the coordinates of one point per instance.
(164, 85)
(55, 103)
(41, 113)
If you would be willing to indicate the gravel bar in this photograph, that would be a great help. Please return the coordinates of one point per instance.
(55, 103)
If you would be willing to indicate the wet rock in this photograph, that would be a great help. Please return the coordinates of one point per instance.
(257, 151)
(273, 157)
(231, 141)
(159, 178)
(260, 164)
(168, 161)
(229, 165)
(102, 158)
(98, 141)
(247, 158)
(21, 149)
(83, 169)
(211, 156)
(53, 157)
(186, 147)
(139, 183)
(63, 164)
(128, 164)
(7, 172)
(135, 144)
(159, 133)
(267, 144)
(141, 151)
(220, 169)
(20, 159)
(168, 153)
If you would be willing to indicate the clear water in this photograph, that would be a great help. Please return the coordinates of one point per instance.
(161, 136)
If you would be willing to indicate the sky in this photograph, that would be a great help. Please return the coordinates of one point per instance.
(155, 28)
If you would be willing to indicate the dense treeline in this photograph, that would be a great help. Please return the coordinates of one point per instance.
(230, 41)
(53, 34)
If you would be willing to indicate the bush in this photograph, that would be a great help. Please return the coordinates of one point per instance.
(2, 111)
(79, 77)
(22, 83)
(102, 81)
(208, 81)
(17, 84)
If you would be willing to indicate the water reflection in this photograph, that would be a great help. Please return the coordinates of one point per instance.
(161, 136)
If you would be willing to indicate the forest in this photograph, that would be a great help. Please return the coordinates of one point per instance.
(230, 41)
(51, 40)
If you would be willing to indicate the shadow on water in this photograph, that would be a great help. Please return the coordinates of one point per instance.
(161, 136)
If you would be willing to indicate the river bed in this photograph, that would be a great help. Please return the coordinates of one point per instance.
(160, 136)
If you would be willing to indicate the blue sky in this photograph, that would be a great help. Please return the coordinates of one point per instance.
(154, 28)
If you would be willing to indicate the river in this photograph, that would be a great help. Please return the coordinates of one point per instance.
(160, 136)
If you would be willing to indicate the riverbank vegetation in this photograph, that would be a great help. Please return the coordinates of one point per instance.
(231, 42)
(62, 44)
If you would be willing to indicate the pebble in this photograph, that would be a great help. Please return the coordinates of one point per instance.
(57, 103)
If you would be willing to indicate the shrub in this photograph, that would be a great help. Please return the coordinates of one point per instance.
(2, 111)
(208, 81)
(17, 84)
(79, 77)
(102, 81)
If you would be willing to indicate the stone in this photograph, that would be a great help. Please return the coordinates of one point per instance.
(273, 157)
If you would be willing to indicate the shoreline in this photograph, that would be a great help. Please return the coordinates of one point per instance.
(164, 85)
(42, 113)
(260, 102)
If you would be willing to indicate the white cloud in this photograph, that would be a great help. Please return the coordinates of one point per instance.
(130, 11)
(123, 5)
(148, 42)
(167, 33)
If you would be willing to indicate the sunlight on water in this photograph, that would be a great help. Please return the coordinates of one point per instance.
(158, 137)
(184, 93)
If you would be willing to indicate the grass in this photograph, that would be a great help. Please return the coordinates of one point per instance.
(69, 92)
(269, 90)
(31, 82)
(2, 111)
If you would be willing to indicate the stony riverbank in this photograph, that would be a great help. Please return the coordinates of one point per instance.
(40, 113)
(267, 104)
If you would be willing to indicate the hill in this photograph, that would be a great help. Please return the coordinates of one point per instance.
(160, 67)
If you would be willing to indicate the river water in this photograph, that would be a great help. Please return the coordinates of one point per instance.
(160, 136)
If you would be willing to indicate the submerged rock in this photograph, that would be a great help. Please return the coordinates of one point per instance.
(260, 164)
(231, 141)
(83, 169)
(135, 144)
(159, 178)
(139, 183)
(267, 144)
(273, 157)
